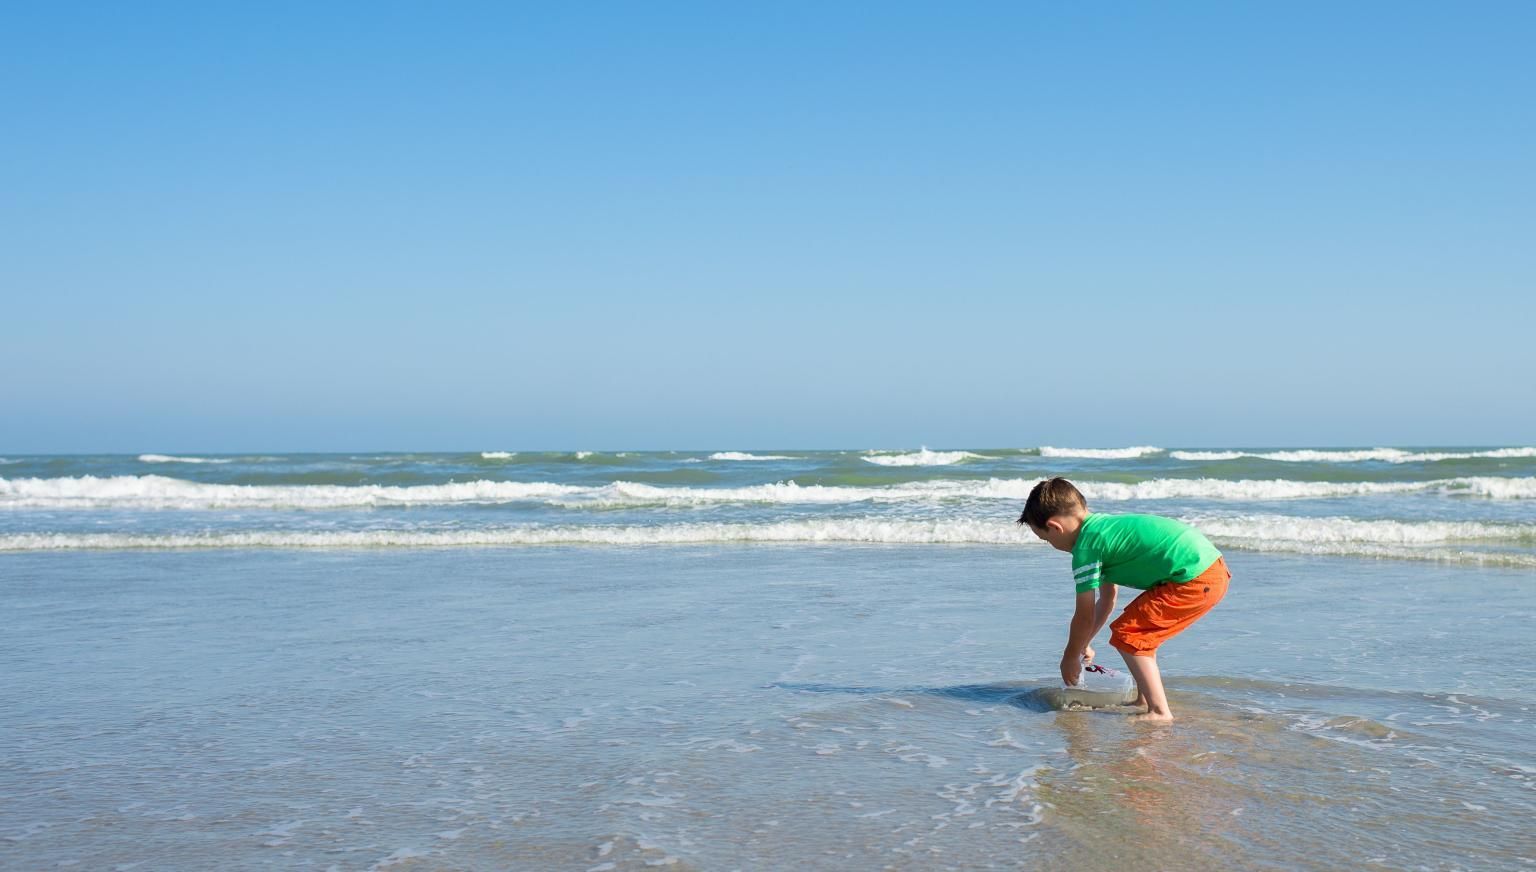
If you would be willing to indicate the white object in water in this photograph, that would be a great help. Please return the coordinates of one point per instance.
(1098, 687)
(1102, 679)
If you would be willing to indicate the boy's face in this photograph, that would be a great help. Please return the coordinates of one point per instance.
(1059, 532)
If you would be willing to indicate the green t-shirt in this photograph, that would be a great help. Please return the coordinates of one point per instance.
(1138, 551)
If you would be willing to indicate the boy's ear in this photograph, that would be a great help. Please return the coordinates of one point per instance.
(1055, 526)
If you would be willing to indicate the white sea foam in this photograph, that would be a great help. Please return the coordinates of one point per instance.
(1318, 536)
(160, 492)
(167, 458)
(923, 457)
(498, 455)
(1387, 455)
(1350, 537)
(1101, 453)
(1246, 489)
(1497, 488)
(738, 455)
(1289, 528)
(634, 494)
(1529, 451)
(583, 455)
(624, 493)
(873, 531)
(1283, 489)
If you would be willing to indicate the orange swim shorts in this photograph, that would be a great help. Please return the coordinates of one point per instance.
(1163, 612)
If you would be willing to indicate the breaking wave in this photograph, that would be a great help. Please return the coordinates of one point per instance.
(1287, 528)
(1431, 541)
(1387, 455)
(1282, 489)
(167, 458)
(1351, 537)
(160, 492)
(738, 455)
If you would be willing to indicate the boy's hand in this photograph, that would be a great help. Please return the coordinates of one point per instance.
(1071, 669)
(1088, 654)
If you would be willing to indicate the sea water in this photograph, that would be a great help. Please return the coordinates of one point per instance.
(723, 660)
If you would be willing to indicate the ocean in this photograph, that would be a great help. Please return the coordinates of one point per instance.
(721, 659)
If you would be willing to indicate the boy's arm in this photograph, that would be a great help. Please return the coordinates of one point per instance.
(1079, 634)
(1088, 618)
(1102, 609)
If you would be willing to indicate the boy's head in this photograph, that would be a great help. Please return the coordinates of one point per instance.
(1054, 512)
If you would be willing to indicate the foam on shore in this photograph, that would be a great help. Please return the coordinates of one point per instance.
(1430, 540)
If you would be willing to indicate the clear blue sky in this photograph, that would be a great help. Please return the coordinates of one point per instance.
(334, 226)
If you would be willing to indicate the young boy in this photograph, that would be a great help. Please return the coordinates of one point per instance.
(1180, 573)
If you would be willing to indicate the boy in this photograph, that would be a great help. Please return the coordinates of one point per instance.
(1180, 573)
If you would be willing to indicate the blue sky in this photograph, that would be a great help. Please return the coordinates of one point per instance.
(289, 226)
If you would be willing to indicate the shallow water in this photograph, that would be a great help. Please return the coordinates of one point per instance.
(746, 706)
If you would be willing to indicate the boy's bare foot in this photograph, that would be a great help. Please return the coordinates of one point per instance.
(1153, 717)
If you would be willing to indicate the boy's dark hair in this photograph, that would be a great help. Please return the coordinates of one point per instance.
(1052, 497)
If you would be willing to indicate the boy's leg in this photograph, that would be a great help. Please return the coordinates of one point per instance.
(1149, 684)
(1154, 617)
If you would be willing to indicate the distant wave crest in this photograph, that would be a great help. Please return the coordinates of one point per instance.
(498, 455)
(167, 458)
(739, 455)
(1387, 455)
(1283, 489)
(922, 458)
(1100, 453)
